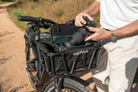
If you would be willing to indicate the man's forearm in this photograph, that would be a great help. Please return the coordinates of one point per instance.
(93, 9)
(129, 29)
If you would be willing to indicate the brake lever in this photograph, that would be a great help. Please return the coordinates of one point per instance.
(47, 25)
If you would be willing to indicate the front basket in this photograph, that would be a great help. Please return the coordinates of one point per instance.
(59, 64)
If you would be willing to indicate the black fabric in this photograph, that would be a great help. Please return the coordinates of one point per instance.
(55, 53)
(45, 35)
(76, 54)
(57, 31)
(30, 35)
(46, 46)
(63, 29)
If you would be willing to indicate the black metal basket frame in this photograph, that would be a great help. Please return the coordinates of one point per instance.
(49, 64)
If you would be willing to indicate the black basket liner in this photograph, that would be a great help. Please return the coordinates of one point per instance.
(69, 61)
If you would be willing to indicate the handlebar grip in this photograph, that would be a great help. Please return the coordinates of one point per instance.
(28, 18)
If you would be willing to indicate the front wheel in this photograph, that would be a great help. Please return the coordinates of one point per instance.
(32, 81)
(69, 85)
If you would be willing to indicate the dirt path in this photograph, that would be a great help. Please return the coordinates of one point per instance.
(13, 77)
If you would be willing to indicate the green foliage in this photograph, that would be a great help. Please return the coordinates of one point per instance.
(59, 11)
(44, 30)
(18, 11)
(5, 1)
(136, 77)
(14, 15)
(37, 12)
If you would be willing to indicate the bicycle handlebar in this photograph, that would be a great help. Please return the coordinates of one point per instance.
(34, 19)
(28, 18)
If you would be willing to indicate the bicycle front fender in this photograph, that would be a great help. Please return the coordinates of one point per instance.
(76, 80)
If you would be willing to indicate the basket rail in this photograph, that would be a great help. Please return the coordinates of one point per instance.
(50, 65)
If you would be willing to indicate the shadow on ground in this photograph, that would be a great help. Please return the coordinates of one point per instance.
(3, 7)
(2, 61)
(2, 74)
(5, 33)
(18, 88)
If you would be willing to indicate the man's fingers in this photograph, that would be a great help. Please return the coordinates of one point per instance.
(89, 38)
(90, 18)
(82, 21)
(93, 36)
(92, 29)
(78, 23)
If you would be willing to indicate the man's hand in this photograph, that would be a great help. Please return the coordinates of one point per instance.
(79, 21)
(99, 34)
(92, 10)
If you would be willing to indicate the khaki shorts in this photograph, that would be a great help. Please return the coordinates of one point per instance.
(117, 65)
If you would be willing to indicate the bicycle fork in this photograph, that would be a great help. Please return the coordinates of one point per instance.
(58, 84)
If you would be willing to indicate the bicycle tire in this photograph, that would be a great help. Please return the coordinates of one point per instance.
(33, 69)
(71, 85)
(32, 81)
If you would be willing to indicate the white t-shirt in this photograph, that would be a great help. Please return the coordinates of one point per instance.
(117, 13)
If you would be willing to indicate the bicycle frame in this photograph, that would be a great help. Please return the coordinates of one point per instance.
(58, 79)
(42, 66)
(40, 74)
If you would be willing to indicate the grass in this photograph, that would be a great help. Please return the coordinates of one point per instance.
(14, 13)
(59, 11)
(5, 1)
